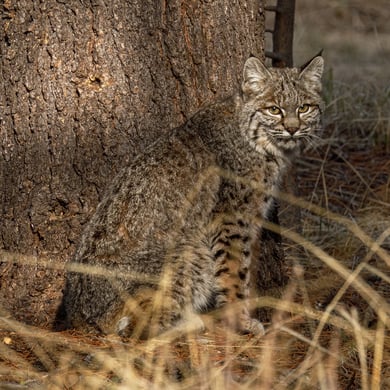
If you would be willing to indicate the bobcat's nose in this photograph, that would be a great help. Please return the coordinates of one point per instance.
(292, 130)
(291, 124)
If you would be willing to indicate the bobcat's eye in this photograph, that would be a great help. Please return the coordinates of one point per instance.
(274, 110)
(303, 108)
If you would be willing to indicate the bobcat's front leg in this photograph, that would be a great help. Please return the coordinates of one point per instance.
(232, 252)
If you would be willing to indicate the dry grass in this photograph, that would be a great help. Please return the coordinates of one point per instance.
(330, 329)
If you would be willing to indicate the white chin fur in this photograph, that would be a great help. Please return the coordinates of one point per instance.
(277, 148)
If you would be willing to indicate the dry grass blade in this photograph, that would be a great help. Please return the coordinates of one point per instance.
(378, 356)
(361, 347)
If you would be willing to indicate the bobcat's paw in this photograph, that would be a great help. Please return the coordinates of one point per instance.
(187, 325)
(243, 323)
(252, 326)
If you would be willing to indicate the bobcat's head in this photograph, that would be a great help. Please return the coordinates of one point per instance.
(282, 106)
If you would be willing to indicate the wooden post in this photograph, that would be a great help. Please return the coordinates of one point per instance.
(282, 34)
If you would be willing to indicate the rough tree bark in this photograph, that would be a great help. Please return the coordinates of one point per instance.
(84, 85)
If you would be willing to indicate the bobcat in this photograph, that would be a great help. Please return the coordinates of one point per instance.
(174, 233)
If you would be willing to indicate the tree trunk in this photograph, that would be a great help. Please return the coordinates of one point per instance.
(84, 86)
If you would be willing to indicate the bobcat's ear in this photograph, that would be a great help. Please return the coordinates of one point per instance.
(255, 75)
(311, 73)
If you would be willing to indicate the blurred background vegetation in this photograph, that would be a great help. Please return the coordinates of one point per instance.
(355, 36)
